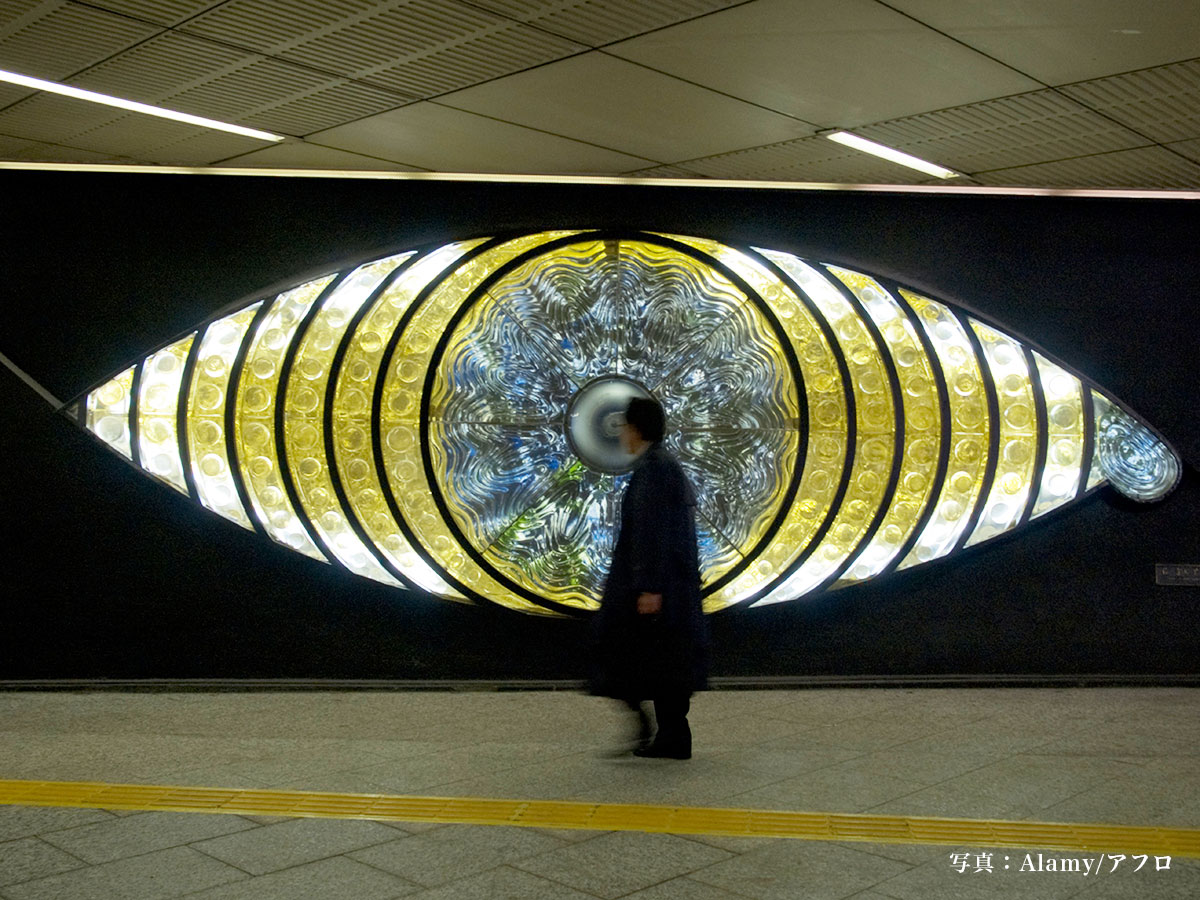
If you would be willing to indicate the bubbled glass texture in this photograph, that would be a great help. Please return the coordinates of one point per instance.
(108, 409)
(1064, 436)
(254, 418)
(207, 399)
(158, 413)
(1017, 424)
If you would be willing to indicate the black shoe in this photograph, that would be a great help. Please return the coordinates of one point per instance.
(655, 751)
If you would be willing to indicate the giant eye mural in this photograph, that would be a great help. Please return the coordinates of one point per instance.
(445, 420)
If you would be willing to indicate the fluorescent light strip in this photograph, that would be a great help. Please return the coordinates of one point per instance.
(80, 94)
(853, 140)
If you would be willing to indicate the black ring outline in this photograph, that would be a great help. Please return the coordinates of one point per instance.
(943, 463)
(385, 362)
(135, 388)
(331, 385)
(1087, 401)
(182, 424)
(231, 395)
(1041, 433)
(993, 405)
(847, 463)
(285, 374)
(893, 375)
(474, 296)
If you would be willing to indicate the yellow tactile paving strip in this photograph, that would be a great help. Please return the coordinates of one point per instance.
(813, 826)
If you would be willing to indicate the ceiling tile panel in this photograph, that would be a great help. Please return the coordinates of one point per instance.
(20, 150)
(272, 25)
(834, 63)
(55, 40)
(1146, 167)
(324, 108)
(1190, 149)
(163, 67)
(55, 119)
(616, 104)
(1012, 131)
(662, 172)
(417, 47)
(598, 22)
(134, 135)
(1059, 41)
(301, 155)
(200, 148)
(163, 12)
(808, 159)
(489, 55)
(1162, 103)
(434, 137)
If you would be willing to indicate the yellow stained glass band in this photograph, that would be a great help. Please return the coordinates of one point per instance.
(970, 427)
(158, 413)
(254, 423)
(208, 395)
(304, 421)
(921, 432)
(108, 408)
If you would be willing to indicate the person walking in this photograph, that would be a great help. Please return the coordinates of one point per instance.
(651, 637)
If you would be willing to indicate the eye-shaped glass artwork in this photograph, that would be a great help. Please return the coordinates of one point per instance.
(448, 420)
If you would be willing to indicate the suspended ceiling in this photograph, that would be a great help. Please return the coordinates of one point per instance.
(1033, 93)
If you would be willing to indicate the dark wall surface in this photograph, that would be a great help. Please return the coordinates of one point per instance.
(111, 575)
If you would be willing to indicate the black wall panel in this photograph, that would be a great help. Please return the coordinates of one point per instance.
(112, 575)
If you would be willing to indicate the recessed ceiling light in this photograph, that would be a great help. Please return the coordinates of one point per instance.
(904, 159)
(80, 94)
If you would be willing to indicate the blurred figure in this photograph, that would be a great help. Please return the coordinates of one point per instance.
(651, 637)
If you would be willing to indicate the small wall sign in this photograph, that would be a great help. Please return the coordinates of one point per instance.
(1177, 573)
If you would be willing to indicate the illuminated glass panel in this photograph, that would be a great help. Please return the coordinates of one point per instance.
(352, 416)
(827, 428)
(1133, 458)
(1005, 502)
(921, 433)
(969, 431)
(1064, 436)
(517, 358)
(108, 412)
(400, 416)
(158, 413)
(254, 428)
(494, 478)
(206, 415)
(304, 417)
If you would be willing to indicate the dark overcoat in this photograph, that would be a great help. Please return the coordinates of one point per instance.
(639, 657)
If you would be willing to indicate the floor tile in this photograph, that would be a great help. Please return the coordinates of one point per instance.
(28, 858)
(274, 847)
(328, 879)
(616, 864)
(154, 876)
(24, 821)
(143, 833)
(502, 883)
(784, 870)
(456, 851)
(684, 888)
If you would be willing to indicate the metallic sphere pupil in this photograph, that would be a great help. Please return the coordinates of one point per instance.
(594, 419)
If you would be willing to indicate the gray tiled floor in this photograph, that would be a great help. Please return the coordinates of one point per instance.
(1118, 755)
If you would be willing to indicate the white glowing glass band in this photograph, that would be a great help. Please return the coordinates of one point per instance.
(80, 94)
(904, 159)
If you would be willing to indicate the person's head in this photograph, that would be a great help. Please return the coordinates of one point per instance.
(645, 421)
